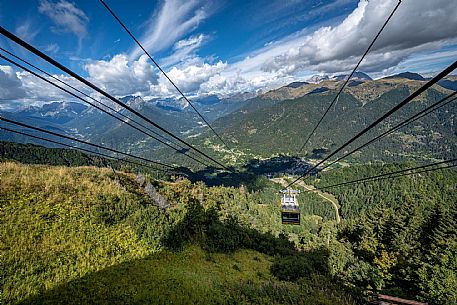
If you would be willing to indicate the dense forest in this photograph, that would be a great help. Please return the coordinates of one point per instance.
(35, 154)
(399, 235)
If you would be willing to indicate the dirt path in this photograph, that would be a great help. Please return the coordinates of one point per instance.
(326, 196)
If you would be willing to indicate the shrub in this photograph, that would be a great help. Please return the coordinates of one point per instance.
(293, 267)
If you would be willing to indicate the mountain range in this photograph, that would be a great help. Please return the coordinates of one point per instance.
(279, 121)
(272, 123)
(91, 124)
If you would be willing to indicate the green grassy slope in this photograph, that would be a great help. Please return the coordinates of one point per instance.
(53, 227)
(84, 235)
(192, 277)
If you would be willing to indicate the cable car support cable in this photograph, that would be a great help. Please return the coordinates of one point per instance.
(408, 99)
(349, 77)
(37, 52)
(97, 107)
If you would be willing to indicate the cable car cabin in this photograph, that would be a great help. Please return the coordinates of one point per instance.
(290, 211)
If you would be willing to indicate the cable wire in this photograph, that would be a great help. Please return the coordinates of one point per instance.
(429, 109)
(86, 150)
(95, 106)
(408, 99)
(86, 143)
(404, 172)
(42, 55)
(350, 75)
(162, 71)
(99, 102)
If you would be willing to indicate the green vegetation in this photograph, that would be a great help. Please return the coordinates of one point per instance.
(87, 235)
(36, 154)
(279, 127)
(54, 229)
(400, 235)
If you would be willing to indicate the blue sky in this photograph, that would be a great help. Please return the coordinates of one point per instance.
(222, 47)
(232, 28)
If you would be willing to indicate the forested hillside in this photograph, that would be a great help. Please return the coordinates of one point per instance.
(403, 231)
(278, 122)
(35, 154)
(272, 125)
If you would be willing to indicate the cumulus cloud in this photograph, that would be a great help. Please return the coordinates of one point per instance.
(22, 88)
(231, 81)
(120, 77)
(416, 26)
(66, 16)
(10, 85)
(39, 92)
(413, 30)
(190, 77)
(174, 20)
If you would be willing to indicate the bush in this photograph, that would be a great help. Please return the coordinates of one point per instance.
(191, 228)
(293, 267)
(223, 237)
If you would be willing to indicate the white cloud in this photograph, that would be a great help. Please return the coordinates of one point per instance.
(247, 74)
(416, 26)
(38, 91)
(10, 85)
(67, 17)
(23, 88)
(27, 30)
(189, 78)
(191, 42)
(175, 19)
(53, 48)
(184, 50)
(426, 63)
(119, 77)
